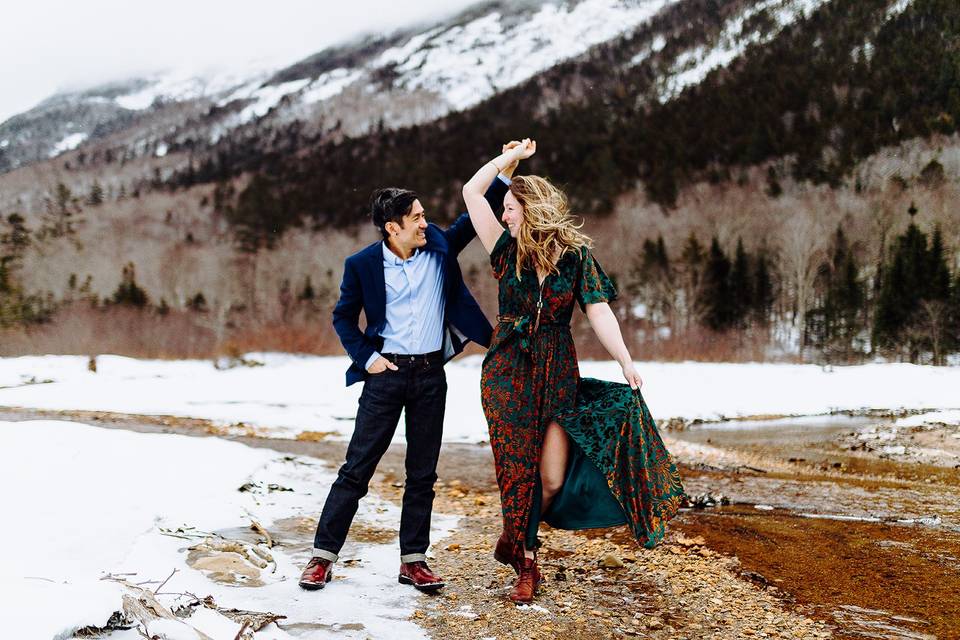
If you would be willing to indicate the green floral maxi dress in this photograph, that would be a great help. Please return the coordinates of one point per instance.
(619, 470)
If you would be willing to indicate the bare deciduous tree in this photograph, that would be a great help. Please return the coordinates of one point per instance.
(802, 246)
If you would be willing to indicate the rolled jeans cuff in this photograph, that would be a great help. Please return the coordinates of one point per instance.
(413, 557)
(326, 555)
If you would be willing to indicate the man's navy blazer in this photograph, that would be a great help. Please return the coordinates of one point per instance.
(363, 287)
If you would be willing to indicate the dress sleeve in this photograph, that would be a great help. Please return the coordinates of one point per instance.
(593, 284)
(500, 255)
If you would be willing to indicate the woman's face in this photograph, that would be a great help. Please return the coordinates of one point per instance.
(512, 213)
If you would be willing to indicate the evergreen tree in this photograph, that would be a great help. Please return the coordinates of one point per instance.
(62, 214)
(651, 281)
(939, 285)
(741, 287)
(197, 303)
(259, 217)
(16, 306)
(841, 312)
(763, 290)
(953, 316)
(307, 294)
(128, 292)
(692, 264)
(912, 304)
(95, 197)
(715, 296)
(14, 240)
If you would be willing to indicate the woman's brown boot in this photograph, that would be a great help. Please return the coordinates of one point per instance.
(527, 582)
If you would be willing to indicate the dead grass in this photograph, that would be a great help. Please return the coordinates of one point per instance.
(82, 330)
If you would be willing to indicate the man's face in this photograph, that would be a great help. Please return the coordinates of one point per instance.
(413, 232)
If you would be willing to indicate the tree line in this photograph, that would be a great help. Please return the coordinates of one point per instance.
(908, 308)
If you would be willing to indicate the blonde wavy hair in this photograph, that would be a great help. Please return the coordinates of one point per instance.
(547, 229)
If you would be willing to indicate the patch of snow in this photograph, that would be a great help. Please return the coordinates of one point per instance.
(161, 150)
(656, 46)
(69, 143)
(266, 98)
(291, 394)
(468, 63)
(949, 417)
(866, 49)
(187, 83)
(692, 67)
(123, 489)
(329, 84)
(897, 8)
(4, 144)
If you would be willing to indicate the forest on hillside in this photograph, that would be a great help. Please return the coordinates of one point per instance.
(826, 93)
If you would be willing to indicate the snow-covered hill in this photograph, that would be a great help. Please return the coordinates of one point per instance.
(392, 80)
(428, 72)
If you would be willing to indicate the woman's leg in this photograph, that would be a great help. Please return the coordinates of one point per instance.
(553, 462)
(553, 467)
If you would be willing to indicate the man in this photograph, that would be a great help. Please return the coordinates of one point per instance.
(419, 315)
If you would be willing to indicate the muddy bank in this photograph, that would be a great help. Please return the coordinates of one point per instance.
(867, 579)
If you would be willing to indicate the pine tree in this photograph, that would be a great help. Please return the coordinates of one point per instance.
(14, 240)
(741, 287)
(62, 214)
(763, 290)
(912, 306)
(16, 306)
(691, 261)
(650, 281)
(953, 316)
(844, 300)
(716, 298)
(307, 294)
(197, 303)
(95, 197)
(128, 292)
(939, 284)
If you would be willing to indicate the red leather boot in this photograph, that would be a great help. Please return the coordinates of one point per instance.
(527, 582)
(420, 576)
(318, 572)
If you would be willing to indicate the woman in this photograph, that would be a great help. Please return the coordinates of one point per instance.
(576, 453)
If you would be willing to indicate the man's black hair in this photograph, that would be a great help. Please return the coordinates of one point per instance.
(390, 205)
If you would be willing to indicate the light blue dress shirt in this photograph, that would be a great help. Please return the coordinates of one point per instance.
(415, 301)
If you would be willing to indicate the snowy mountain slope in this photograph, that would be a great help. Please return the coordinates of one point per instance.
(452, 66)
(409, 77)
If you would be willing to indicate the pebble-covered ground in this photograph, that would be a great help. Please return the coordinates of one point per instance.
(599, 584)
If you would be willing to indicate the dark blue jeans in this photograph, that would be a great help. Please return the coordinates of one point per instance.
(421, 391)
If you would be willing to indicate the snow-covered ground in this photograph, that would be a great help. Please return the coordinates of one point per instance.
(92, 502)
(291, 394)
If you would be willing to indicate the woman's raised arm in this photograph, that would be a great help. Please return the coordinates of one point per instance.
(481, 214)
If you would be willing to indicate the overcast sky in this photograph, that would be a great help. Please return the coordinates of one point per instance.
(48, 45)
